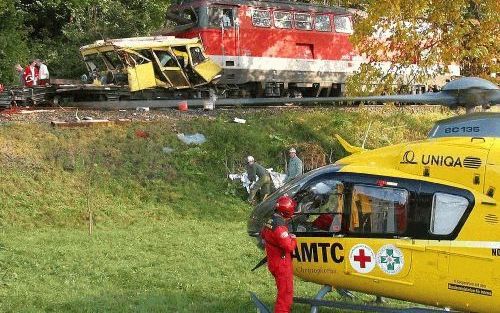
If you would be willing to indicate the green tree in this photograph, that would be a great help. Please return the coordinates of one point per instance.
(13, 48)
(54, 30)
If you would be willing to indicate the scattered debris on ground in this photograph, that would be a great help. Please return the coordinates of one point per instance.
(277, 178)
(195, 139)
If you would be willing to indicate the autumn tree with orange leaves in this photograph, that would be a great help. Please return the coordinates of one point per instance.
(427, 36)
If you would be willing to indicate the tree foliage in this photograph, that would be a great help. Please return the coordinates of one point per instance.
(13, 46)
(54, 30)
(426, 36)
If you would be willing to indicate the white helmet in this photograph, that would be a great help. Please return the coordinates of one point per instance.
(250, 159)
(292, 150)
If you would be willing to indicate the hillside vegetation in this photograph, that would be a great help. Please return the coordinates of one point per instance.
(169, 229)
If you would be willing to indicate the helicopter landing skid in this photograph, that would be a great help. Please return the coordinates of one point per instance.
(261, 307)
(345, 305)
(318, 302)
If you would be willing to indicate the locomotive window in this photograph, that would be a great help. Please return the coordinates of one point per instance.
(446, 212)
(303, 21)
(320, 208)
(378, 210)
(322, 23)
(282, 19)
(343, 24)
(261, 18)
(220, 17)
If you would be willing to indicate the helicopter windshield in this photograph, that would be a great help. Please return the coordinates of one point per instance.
(320, 207)
(265, 209)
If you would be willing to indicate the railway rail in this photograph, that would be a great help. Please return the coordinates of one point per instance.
(113, 99)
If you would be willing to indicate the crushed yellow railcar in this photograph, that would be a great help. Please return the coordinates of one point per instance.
(143, 63)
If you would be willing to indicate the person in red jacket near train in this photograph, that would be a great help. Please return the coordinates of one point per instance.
(30, 75)
(279, 245)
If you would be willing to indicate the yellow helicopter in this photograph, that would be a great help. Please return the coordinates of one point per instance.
(415, 221)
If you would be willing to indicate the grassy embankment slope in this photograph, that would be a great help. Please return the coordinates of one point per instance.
(170, 230)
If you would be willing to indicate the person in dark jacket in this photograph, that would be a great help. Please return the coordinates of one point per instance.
(279, 245)
(262, 185)
(295, 167)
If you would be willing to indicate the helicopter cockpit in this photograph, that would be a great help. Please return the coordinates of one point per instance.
(373, 210)
(335, 204)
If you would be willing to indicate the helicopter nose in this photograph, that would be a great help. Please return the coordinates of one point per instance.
(260, 214)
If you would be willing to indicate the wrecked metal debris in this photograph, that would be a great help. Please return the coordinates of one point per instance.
(87, 123)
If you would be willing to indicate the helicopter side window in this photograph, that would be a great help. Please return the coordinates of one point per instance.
(447, 210)
(378, 210)
(320, 208)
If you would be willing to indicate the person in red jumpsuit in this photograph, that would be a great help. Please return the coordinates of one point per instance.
(279, 245)
(30, 75)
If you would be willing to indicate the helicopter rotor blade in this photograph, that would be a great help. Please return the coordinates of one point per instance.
(467, 92)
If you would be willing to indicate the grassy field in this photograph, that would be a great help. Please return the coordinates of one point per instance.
(169, 229)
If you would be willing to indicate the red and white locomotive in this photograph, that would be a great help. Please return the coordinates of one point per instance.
(271, 48)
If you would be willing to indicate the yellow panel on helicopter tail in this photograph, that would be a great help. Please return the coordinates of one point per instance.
(141, 77)
(348, 147)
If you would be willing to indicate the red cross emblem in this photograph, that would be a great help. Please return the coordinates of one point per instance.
(362, 258)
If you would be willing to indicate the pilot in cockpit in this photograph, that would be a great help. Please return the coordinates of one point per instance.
(321, 208)
(332, 221)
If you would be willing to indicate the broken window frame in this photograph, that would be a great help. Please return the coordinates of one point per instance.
(172, 69)
(195, 61)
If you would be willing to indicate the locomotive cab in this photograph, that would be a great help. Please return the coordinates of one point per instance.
(271, 48)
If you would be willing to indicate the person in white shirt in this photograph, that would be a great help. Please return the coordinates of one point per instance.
(43, 73)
